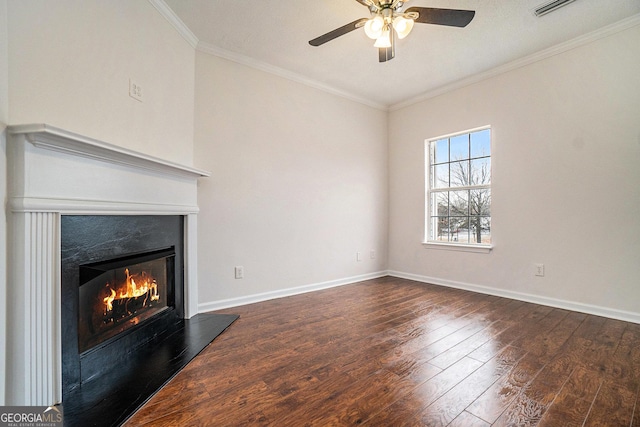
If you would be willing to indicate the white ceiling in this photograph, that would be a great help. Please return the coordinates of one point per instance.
(274, 35)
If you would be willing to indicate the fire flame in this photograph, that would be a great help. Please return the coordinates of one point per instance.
(131, 289)
(109, 300)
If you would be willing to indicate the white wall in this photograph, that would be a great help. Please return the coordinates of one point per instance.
(70, 62)
(299, 183)
(566, 175)
(4, 119)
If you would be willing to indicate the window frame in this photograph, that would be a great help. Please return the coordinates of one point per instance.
(432, 244)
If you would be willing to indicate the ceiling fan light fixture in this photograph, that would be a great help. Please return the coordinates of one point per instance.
(385, 39)
(403, 26)
(374, 26)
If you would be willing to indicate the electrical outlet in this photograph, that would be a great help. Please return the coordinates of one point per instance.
(539, 270)
(372, 254)
(239, 270)
(358, 256)
(135, 90)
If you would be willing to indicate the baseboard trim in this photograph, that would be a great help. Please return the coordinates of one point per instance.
(596, 310)
(281, 293)
(626, 316)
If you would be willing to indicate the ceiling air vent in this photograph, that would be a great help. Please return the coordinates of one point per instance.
(551, 6)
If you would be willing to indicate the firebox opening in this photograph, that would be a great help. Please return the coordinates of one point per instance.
(118, 294)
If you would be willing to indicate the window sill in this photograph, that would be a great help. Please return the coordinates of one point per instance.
(483, 249)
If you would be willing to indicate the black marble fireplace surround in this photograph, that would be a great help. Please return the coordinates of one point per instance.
(105, 384)
(94, 238)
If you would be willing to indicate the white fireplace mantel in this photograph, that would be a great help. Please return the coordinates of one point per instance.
(53, 172)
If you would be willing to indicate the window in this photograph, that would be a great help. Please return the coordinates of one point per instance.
(459, 188)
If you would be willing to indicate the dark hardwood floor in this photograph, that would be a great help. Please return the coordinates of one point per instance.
(392, 352)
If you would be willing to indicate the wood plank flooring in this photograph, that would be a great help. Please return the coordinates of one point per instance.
(393, 352)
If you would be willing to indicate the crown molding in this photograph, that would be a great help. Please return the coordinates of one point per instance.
(598, 34)
(191, 38)
(280, 72)
(200, 46)
(175, 21)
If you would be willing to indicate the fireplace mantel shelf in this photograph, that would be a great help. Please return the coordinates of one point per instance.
(49, 137)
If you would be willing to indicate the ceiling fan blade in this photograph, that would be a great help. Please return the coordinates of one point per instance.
(449, 17)
(338, 32)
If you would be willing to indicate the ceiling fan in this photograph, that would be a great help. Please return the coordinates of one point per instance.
(388, 20)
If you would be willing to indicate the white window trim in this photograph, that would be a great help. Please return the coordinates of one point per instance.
(450, 246)
(478, 248)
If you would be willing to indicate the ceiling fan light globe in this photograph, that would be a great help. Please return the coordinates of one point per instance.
(403, 26)
(373, 27)
(384, 40)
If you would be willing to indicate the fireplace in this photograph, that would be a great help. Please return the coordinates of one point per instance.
(56, 177)
(84, 215)
(119, 294)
